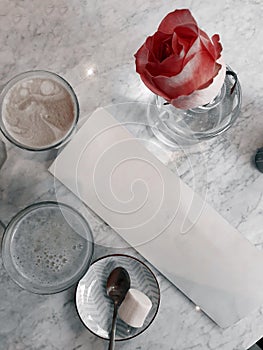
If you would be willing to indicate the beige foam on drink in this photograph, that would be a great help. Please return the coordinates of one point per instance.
(38, 112)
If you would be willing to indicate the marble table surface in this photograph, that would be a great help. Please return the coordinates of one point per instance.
(92, 44)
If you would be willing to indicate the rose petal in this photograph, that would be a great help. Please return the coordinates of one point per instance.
(186, 37)
(148, 81)
(217, 45)
(154, 44)
(195, 48)
(189, 32)
(196, 73)
(177, 47)
(203, 96)
(141, 58)
(175, 19)
(170, 66)
(147, 57)
(213, 47)
(208, 44)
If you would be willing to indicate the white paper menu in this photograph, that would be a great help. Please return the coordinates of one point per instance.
(162, 218)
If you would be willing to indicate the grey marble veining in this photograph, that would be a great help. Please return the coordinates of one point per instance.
(70, 37)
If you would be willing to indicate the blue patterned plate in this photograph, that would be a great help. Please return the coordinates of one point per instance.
(94, 306)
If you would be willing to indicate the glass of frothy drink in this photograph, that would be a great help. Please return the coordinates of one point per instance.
(39, 111)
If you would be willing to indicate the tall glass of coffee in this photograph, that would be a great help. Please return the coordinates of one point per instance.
(39, 111)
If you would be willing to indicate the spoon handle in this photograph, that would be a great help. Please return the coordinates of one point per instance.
(113, 328)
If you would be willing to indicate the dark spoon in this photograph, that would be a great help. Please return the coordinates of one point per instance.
(118, 284)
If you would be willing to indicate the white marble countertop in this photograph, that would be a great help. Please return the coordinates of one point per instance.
(72, 37)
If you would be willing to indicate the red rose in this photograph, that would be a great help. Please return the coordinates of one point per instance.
(181, 63)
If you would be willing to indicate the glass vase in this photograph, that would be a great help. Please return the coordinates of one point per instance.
(177, 127)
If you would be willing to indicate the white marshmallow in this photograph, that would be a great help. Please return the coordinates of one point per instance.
(135, 308)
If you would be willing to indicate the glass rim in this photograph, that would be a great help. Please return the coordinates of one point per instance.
(7, 242)
(11, 82)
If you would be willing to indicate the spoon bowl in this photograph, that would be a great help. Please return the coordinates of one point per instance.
(118, 284)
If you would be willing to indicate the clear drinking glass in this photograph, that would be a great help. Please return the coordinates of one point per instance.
(47, 247)
(39, 111)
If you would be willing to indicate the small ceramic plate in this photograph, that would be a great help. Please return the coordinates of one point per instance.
(95, 308)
